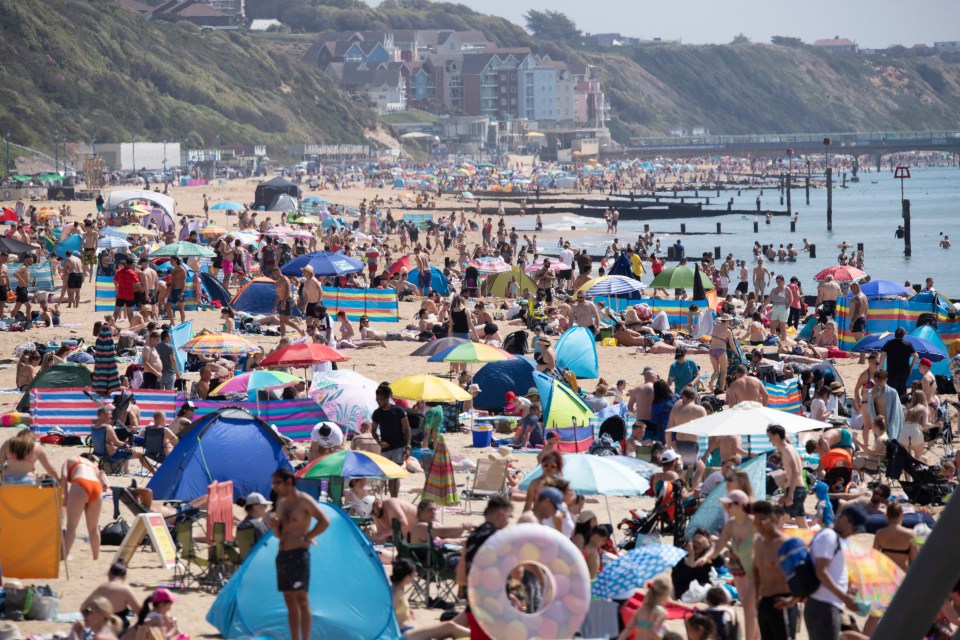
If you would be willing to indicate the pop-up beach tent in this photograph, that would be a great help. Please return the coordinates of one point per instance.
(438, 281)
(268, 191)
(562, 407)
(120, 196)
(228, 444)
(349, 594)
(67, 375)
(496, 285)
(497, 378)
(577, 351)
(257, 297)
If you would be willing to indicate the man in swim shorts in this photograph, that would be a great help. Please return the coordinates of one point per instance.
(291, 524)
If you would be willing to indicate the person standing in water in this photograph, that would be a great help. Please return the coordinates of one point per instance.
(291, 525)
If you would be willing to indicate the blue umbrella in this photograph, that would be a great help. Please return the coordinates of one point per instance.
(228, 205)
(633, 569)
(924, 349)
(596, 475)
(112, 242)
(314, 199)
(324, 263)
(884, 289)
(642, 467)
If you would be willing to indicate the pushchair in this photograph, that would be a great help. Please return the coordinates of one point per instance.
(922, 483)
(668, 517)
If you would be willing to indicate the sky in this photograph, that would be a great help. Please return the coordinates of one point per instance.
(872, 24)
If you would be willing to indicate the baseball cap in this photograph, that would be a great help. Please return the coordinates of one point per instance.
(680, 352)
(256, 498)
(925, 362)
(735, 497)
(669, 455)
(857, 517)
(189, 405)
(162, 595)
(553, 495)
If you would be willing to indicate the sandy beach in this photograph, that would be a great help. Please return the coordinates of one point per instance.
(380, 364)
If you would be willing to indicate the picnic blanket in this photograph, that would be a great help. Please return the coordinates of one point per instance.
(294, 418)
(75, 412)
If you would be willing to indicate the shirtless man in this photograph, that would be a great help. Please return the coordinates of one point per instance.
(312, 293)
(482, 315)
(4, 280)
(928, 383)
(858, 315)
(641, 397)
(384, 512)
(178, 285)
(424, 276)
(22, 276)
(73, 269)
(684, 411)
(283, 302)
(291, 524)
(545, 277)
(117, 592)
(827, 294)
(746, 388)
(90, 239)
(776, 609)
(796, 491)
(586, 314)
(148, 277)
(761, 278)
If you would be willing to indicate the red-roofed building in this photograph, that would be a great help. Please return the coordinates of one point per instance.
(837, 44)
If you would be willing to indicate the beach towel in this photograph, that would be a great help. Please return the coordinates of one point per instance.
(894, 410)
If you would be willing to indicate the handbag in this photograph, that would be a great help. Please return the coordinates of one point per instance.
(112, 534)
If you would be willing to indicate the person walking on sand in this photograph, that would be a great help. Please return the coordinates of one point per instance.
(291, 524)
(178, 286)
(796, 491)
(22, 276)
(858, 316)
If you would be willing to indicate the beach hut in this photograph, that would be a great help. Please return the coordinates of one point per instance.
(256, 297)
(350, 598)
(577, 351)
(496, 285)
(495, 379)
(68, 375)
(228, 444)
(438, 281)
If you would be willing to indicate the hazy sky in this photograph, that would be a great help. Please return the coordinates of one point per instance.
(873, 23)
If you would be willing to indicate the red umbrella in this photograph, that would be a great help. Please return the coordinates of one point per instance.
(841, 273)
(9, 215)
(303, 355)
(402, 263)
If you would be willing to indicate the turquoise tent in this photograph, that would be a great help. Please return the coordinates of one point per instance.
(70, 243)
(438, 281)
(577, 351)
(562, 407)
(349, 594)
(942, 368)
(709, 514)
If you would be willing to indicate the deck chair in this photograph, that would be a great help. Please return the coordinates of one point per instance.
(112, 466)
(490, 479)
(191, 566)
(419, 594)
(440, 573)
(153, 448)
(223, 558)
(244, 542)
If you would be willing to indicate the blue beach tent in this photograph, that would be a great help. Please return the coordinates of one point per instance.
(438, 281)
(577, 351)
(257, 297)
(622, 267)
(349, 594)
(214, 289)
(70, 243)
(228, 444)
(497, 378)
(942, 368)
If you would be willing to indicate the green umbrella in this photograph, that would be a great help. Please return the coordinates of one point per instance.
(183, 250)
(679, 278)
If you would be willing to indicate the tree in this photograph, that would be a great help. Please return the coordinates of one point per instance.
(740, 39)
(552, 25)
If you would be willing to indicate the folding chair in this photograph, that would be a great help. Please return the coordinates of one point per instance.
(440, 573)
(244, 542)
(490, 479)
(416, 553)
(191, 567)
(223, 558)
(153, 445)
(110, 465)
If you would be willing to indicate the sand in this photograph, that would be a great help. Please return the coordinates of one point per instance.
(384, 364)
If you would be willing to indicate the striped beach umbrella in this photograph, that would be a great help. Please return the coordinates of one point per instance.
(471, 352)
(611, 286)
(106, 374)
(488, 265)
(440, 485)
(220, 344)
(112, 242)
(352, 464)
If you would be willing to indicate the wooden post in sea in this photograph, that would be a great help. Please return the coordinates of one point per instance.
(789, 186)
(907, 249)
(808, 190)
(829, 199)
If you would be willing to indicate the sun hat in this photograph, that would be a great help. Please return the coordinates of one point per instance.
(735, 497)
(533, 391)
(9, 631)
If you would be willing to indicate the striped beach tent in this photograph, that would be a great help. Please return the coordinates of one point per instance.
(379, 305)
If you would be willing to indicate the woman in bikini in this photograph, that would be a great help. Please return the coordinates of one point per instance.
(721, 341)
(756, 332)
(83, 486)
(896, 541)
(865, 382)
(649, 620)
(19, 457)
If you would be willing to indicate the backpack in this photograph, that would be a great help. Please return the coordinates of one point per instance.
(799, 568)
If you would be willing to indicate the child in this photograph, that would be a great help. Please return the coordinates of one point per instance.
(404, 573)
(649, 619)
(824, 510)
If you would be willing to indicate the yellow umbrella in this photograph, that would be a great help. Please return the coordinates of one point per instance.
(428, 389)
(535, 134)
(212, 230)
(307, 220)
(137, 229)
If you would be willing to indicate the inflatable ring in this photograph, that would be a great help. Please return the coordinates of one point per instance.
(566, 576)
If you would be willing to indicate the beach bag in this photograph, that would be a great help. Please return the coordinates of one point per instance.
(112, 535)
(797, 565)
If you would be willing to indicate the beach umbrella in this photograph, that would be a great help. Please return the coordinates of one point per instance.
(440, 484)
(698, 291)
(562, 406)
(747, 419)
(428, 389)
(228, 205)
(488, 265)
(709, 515)
(257, 381)
(679, 278)
(112, 242)
(287, 232)
(245, 237)
(347, 397)
(884, 289)
(324, 263)
(436, 346)
(841, 273)
(106, 374)
(212, 230)
(400, 263)
(611, 286)
(633, 569)
(555, 264)
(642, 467)
(352, 464)
(184, 249)
(595, 475)
(875, 342)
(136, 230)
(306, 220)
(219, 344)
(471, 352)
(303, 355)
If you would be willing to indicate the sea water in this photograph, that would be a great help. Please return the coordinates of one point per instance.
(868, 211)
